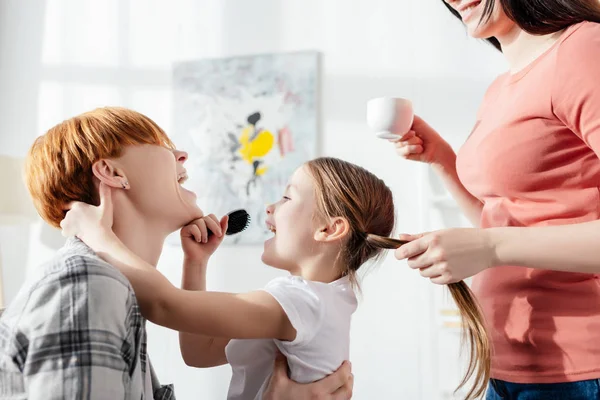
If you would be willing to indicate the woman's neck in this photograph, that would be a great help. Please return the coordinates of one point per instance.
(141, 235)
(521, 48)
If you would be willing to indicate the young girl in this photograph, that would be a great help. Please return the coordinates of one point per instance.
(333, 217)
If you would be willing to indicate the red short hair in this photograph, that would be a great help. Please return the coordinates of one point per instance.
(59, 164)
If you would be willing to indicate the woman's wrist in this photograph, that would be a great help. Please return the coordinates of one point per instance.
(445, 163)
(502, 240)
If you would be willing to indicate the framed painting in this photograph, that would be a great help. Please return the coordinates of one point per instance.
(247, 124)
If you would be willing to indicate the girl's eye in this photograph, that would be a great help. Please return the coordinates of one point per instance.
(286, 198)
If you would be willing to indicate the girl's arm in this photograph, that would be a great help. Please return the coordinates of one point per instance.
(200, 350)
(250, 315)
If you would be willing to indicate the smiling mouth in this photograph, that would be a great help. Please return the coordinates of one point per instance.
(271, 228)
(182, 177)
(466, 11)
(468, 7)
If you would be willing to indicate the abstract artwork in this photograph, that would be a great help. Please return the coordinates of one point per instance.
(247, 124)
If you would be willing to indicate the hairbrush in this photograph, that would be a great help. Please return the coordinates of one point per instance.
(238, 222)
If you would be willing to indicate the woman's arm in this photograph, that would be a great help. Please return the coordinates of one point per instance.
(200, 350)
(571, 248)
(242, 316)
(337, 386)
(451, 255)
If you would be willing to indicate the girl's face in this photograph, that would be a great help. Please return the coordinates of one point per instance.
(471, 12)
(292, 222)
(155, 175)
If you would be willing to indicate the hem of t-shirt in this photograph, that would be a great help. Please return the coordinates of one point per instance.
(297, 340)
(549, 377)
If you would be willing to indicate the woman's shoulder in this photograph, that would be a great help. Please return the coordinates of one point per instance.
(578, 54)
(582, 29)
(582, 40)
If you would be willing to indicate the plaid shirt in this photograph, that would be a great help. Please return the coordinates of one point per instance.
(74, 331)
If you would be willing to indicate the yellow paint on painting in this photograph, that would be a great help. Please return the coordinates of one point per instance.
(245, 136)
(261, 171)
(259, 147)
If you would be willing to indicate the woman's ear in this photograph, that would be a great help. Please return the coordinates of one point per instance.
(333, 230)
(107, 172)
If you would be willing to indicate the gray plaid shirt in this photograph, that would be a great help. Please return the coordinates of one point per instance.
(74, 331)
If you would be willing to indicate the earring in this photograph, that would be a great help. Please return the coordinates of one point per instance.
(125, 184)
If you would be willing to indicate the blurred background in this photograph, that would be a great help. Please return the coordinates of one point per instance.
(59, 58)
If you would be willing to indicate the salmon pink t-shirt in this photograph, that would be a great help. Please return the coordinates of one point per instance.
(533, 160)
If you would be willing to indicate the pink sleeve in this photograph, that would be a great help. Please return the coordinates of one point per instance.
(576, 90)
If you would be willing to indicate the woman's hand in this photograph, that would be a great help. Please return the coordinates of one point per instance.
(449, 255)
(91, 224)
(337, 386)
(197, 244)
(422, 143)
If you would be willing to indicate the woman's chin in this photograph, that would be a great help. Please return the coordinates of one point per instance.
(192, 211)
(188, 193)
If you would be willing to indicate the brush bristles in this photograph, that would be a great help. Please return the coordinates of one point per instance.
(238, 222)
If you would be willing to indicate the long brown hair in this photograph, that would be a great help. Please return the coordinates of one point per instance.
(475, 334)
(348, 191)
(540, 17)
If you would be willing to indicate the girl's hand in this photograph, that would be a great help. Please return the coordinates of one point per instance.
(422, 143)
(91, 224)
(449, 255)
(197, 245)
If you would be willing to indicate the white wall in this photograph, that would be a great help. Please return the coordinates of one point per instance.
(370, 48)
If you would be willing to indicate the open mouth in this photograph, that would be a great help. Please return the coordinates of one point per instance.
(271, 227)
(182, 177)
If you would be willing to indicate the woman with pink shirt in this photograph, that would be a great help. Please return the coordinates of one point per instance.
(528, 178)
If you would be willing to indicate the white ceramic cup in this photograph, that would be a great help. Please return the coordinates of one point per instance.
(390, 118)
